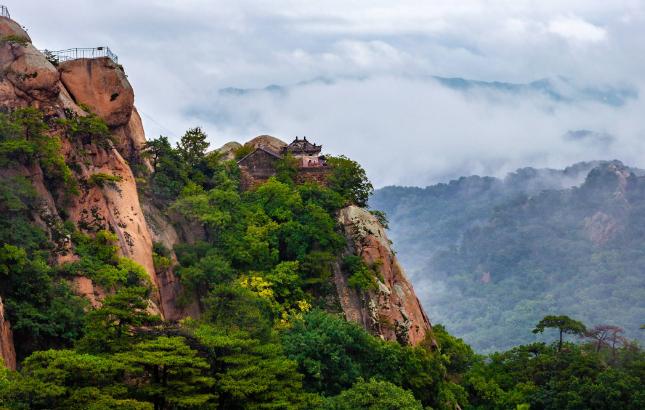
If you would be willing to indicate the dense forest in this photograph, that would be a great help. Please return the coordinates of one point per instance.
(269, 336)
(513, 250)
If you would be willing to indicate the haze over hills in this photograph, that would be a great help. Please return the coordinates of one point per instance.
(559, 89)
(537, 242)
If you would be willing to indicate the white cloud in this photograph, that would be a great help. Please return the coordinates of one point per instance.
(415, 131)
(576, 29)
(177, 54)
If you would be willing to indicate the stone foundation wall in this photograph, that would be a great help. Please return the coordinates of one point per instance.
(318, 175)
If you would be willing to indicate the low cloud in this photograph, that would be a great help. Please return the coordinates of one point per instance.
(415, 131)
(577, 29)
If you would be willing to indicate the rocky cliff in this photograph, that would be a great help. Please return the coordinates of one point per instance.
(100, 86)
(72, 88)
(392, 311)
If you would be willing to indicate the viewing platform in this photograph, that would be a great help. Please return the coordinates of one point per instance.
(60, 56)
(4, 12)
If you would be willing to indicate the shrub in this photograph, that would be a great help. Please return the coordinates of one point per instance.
(15, 39)
(361, 276)
(102, 179)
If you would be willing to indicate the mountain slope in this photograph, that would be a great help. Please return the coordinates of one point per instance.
(514, 250)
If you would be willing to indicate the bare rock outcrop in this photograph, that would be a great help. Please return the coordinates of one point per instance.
(9, 28)
(267, 141)
(102, 85)
(227, 151)
(7, 349)
(392, 311)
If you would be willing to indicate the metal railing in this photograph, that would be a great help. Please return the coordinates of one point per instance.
(60, 56)
(4, 11)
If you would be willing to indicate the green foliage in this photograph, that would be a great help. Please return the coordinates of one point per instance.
(544, 377)
(251, 374)
(286, 169)
(100, 262)
(192, 147)
(238, 309)
(563, 323)
(43, 311)
(360, 276)
(87, 129)
(15, 39)
(169, 176)
(381, 217)
(25, 139)
(63, 379)
(112, 327)
(374, 395)
(519, 248)
(243, 151)
(459, 355)
(169, 374)
(333, 354)
(255, 231)
(187, 166)
(101, 179)
(349, 179)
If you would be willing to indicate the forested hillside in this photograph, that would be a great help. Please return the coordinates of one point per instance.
(511, 251)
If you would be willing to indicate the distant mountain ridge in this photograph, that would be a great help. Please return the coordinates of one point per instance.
(511, 250)
(559, 89)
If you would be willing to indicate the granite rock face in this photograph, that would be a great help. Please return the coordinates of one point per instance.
(31, 80)
(392, 311)
(7, 350)
(102, 85)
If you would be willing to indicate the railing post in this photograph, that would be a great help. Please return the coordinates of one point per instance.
(4, 11)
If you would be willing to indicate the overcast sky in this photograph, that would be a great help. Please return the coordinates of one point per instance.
(375, 99)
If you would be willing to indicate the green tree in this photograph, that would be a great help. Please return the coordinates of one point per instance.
(349, 179)
(375, 395)
(168, 373)
(237, 309)
(192, 147)
(563, 323)
(459, 354)
(113, 326)
(249, 373)
(64, 379)
(169, 174)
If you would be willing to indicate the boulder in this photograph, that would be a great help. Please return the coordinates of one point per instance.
(31, 72)
(267, 141)
(227, 151)
(102, 85)
(9, 27)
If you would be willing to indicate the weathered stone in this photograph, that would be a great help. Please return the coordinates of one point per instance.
(7, 349)
(85, 287)
(32, 73)
(102, 85)
(130, 139)
(392, 311)
(9, 27)
(227, 151)
(267, 141)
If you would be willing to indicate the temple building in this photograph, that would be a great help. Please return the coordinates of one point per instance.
(260, 165)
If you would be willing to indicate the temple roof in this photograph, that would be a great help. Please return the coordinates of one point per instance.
(302, 147)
